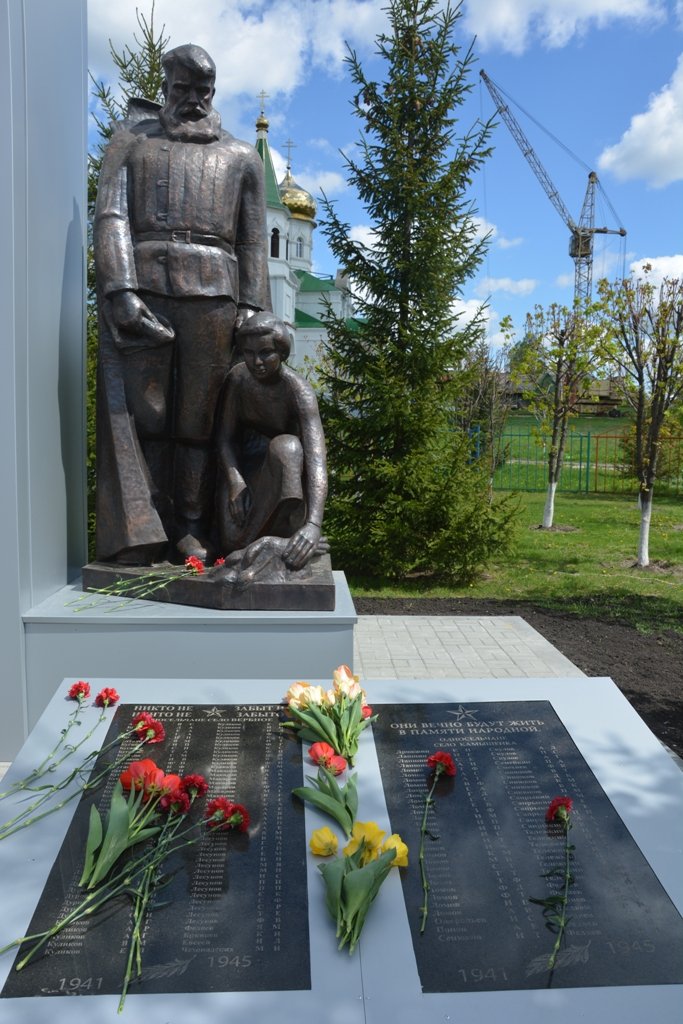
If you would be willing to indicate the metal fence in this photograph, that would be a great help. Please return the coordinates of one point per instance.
(597, 463)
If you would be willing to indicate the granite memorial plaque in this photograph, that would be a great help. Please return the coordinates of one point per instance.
(492, 846)
(218, 924)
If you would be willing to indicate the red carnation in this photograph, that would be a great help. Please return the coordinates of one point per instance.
(219, 562)
(195, 564)
(194, 785)
(148, 728)
(222, 814)
(366, 711)
(106, 697)
(560, 808)
(442, 763)
(79, 691)
(323, 754)
(175, 802)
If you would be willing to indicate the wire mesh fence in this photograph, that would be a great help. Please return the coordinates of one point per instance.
(593, 463)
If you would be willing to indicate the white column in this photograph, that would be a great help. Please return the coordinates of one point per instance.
(43, 78)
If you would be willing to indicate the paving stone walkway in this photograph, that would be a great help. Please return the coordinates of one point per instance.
(460, 647)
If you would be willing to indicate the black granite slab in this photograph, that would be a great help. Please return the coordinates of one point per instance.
(493, 846)
(234, 915)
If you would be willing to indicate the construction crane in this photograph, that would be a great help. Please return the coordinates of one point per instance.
(581, 240)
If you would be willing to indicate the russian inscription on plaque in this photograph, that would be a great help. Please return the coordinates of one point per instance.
(493, 845)
(220, 920)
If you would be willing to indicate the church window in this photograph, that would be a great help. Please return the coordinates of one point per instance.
(275, 243)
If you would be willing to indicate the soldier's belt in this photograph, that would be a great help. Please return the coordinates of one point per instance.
(187, 237)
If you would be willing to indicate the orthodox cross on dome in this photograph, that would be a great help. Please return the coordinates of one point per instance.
(263, 96)
(290, 146)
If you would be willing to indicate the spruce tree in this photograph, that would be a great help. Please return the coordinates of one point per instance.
(406, 494)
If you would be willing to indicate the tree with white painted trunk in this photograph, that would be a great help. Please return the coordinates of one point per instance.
(643, 340)
(553, 368)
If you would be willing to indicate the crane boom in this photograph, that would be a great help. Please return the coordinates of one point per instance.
(581, 241)
(528, 151)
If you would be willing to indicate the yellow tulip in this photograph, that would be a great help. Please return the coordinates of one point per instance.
(394, 842)
(372, 834)
(323, 842)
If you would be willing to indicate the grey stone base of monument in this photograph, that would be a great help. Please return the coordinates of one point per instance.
(310, 590)
(133, 639)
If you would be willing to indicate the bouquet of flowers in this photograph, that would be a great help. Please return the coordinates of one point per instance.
(146, 822)
(336, 716)
(353, 880)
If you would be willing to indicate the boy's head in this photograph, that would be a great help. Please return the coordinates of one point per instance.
(267, 323)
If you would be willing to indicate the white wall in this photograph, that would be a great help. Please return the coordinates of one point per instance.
(43, 78)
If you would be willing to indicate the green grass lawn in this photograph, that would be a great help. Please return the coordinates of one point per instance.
(523, 422)
(587, 571)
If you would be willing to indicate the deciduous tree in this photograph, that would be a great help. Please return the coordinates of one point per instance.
(643, 325)
(553, 368)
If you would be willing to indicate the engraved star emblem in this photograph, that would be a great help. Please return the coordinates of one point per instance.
(213, 712)
(462, 713)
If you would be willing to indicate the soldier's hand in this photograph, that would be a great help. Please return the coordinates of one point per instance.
(130, 314)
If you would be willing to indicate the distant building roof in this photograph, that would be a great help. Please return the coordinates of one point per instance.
(314, 283)
(302, 319)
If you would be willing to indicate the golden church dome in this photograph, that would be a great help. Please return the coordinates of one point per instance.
(298, 201)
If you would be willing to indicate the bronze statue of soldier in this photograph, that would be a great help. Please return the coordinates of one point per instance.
(181, 258)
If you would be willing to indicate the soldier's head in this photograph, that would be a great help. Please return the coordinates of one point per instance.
(265, 343)
(190, 82)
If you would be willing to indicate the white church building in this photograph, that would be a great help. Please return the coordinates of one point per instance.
(298, 295)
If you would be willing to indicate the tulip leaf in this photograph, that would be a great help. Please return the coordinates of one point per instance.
(116, 836)
(351, 796)
(333, 874)
(92, 843)
(327, 804)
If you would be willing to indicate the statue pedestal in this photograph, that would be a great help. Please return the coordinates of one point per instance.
(135, 639)
(312, 590)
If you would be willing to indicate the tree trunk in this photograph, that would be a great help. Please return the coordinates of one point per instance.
(645, 505)
(549, 510)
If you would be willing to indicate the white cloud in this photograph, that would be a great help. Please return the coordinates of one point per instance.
(508, 243)
(564, 280)
(257, 44)
(485, 228)
(660, 267)
(514, 25)
(522, 286)
(652, 146)
(364, 234)
(469, 309)
(317, 181)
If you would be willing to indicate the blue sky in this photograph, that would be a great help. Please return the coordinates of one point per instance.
(604, 76)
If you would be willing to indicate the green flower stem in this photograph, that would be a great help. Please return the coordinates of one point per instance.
(141, 901)
(123, 881)
(47, 764)
(21, 821)
(421, 856)
(72, 750)
(138, 588)
(562, 923)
